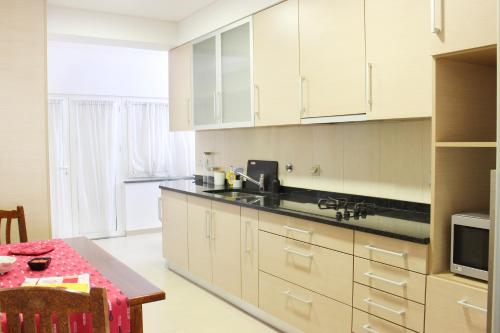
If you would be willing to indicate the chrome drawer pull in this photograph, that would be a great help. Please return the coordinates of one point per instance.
(465, 304)
(370, 275)
(288, 293)
(383, 307)
(376, 249)
(305, 255)
(297, 230)
(368, 328)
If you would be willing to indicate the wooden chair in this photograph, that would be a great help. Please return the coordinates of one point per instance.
(48, 301)
(17, 214)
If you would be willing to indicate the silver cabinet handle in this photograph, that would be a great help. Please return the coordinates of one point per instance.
(302, 107)
(160, 210)
(370, 275)
(465, 304)
(247, 248)
(207, 224)
(305, 255)
(212, 225)
(377, 249)
(383, 307)
(297, 230)
(434, 28)
(189, 111)
(369, 90)
(214, 96)
(256, 100)
(219, 105)
(289, 294)
(368, 328)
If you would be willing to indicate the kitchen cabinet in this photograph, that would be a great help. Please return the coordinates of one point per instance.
(225, 247)
(175, 228)
(222, 78)
(199, 237)
(250, 255)
(179, 64)
(332, 57)
(399, 65)
(276, 65)
(462, 24)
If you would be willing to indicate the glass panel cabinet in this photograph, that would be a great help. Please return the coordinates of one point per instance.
(204, 82)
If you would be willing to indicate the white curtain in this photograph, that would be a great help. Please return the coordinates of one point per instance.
(153, 150)
(96, 164)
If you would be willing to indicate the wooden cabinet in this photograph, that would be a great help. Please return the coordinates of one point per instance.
(332, 57)
(399, 65)
(250, 255)
(225, 247)
(179, 64)
(302, 308)
(175, 226)
(276, 65)
(453, 306)
(463, 24)
(363, 322)
(199, 237)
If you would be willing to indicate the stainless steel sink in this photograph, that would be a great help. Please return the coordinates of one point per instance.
(235, 194)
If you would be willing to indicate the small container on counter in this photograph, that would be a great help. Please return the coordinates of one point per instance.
(219, 178)
(39, 264)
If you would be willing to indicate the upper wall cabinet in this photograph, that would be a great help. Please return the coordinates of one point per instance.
(276, 65)
(332, 57)
(222, 78)
(462, 24)
(179, 63)
(399, 65)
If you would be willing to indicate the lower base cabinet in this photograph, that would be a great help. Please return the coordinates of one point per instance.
(454, 307)
(302, 308)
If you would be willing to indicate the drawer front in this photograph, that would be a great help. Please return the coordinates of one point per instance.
(324, 271)
(391, 279)
(363, 322)
(395, 309)
(340, 239)
(394, 252)
(444, 313)
(302, 308)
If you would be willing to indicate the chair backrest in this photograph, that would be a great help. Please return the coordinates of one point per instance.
(10, 215)
(47, 302)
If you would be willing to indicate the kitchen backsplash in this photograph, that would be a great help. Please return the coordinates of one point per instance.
(390, 159)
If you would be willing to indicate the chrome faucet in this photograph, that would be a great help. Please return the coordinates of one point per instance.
(260, 183)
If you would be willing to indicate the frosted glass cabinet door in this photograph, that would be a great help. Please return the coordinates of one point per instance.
(236, 81)
(204, 82)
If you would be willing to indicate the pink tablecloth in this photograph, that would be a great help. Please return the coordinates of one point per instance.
(66, 261)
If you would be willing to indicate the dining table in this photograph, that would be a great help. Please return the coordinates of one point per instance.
(133, 286)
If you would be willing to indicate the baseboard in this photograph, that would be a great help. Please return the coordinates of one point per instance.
(251, 309)
(143, 231)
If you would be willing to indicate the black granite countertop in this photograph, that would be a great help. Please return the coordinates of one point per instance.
(396, 219)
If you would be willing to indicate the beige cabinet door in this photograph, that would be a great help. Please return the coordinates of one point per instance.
(179, 79)
(175, 226)
(399, 65)
(463, 24)
(200, 258)
(276, 65)
(225, 234)
(250, 255)
(332, 57)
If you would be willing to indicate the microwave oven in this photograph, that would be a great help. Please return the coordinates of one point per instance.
(470, 245)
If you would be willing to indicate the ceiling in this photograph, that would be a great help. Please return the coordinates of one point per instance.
(170, 10)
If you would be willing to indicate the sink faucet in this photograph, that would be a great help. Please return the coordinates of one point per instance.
(260, 183)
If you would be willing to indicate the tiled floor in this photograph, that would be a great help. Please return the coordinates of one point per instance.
(187, 308)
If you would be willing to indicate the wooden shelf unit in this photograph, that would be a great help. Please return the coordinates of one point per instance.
(464, 142)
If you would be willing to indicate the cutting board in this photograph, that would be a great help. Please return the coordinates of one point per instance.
(257, 167)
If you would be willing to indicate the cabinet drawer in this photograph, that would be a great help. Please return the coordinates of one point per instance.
(453, 307)
(340, 239)
(392, 308)
(302, 308)
(363, 322)
(391, 279)
(322, 270)
(391, 251)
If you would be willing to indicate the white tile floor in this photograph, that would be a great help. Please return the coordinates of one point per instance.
(187, 308)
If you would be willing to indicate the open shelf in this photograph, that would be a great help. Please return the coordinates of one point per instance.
(469, 144)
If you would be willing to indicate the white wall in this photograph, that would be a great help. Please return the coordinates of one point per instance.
(216, 15)
(75, 68)
(76, 25)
